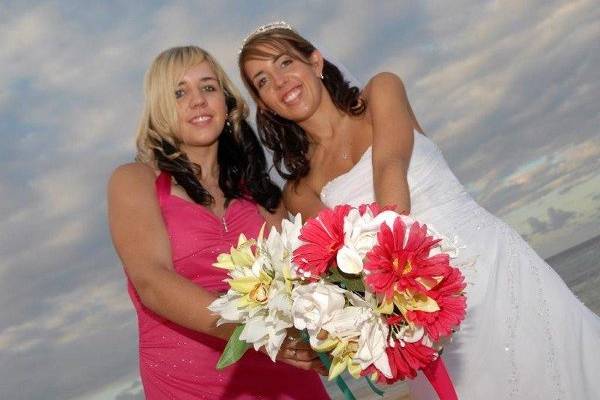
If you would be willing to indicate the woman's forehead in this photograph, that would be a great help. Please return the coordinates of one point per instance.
(202, 70)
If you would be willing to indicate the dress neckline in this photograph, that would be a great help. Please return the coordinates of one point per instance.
(360, 160)
(205, 209)
(163, 180)
(367, 151)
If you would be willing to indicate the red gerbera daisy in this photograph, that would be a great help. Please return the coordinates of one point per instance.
(323, 236)
(375, 208)
(393, 265)
(452, 304)
(404, 361)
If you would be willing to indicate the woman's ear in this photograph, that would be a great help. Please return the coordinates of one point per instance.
(316, 60)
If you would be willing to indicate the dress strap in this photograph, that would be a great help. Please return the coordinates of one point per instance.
(163, 185)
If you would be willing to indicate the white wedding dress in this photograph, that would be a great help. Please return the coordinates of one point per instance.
(526, 335)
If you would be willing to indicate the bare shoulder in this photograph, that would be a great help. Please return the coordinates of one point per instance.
(131, 179)
(131, 173)
(383, 83)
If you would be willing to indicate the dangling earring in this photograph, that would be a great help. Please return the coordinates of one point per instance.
(228, 125)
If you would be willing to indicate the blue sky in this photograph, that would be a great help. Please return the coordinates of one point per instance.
(509, 90)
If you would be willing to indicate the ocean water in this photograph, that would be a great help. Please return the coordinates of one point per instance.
(578, 266)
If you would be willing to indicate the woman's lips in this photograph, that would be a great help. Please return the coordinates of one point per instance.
(201, 120)
(292, 96)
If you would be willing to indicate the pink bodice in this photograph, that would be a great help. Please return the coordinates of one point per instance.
(178, 363)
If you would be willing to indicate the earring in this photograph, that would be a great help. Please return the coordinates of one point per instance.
(227, 121)
(322, 76)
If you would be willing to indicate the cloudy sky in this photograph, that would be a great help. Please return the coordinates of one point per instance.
(509, 90)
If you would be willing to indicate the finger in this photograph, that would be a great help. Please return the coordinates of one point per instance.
(297, 354)
(306, 365)
(320, 369)
(298, 345)
(306, 355)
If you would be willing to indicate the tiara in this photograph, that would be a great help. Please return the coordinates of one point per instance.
(265, 28)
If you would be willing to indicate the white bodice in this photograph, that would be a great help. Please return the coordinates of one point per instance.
(523, 325)
(437, 197)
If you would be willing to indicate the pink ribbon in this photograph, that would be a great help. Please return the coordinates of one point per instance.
(437, 374)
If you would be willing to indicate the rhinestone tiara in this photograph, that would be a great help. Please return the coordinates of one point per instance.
(265, 28)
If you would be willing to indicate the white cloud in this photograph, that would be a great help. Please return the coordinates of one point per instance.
(509, 90)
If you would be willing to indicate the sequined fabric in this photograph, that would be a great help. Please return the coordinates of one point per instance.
(526, 336)
(177, 363)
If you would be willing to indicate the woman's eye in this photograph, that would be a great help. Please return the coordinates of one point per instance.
(286, 62)
(208, 88)
(179, 93)
(261, 82)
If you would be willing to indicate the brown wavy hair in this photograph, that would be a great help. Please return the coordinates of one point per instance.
(286, 139)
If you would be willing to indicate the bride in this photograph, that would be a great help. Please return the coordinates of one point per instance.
(526, 336)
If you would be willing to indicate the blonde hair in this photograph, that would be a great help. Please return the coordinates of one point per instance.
(159, 120)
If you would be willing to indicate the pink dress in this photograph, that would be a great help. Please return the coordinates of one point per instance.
(178, 363)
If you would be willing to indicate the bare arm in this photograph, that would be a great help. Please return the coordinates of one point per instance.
(393, 125)
(302, 199)
(141, 240)
(274, 219)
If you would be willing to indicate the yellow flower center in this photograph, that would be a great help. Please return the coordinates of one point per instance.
(260, 293)
(405, 270)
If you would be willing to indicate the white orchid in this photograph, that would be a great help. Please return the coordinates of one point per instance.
(260, 290)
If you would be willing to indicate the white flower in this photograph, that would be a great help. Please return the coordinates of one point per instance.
(266, 330)
(372, 344)
(360, 235)
(346, 323)
(260, 291)
(451, 247)
(227, 308)
(290, 233)
(411, 334)
(364, 326)
(314, 304)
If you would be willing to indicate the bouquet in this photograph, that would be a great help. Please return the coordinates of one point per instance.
(372, 289)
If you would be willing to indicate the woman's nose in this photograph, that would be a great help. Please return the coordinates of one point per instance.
(279, 78)
(198, 99)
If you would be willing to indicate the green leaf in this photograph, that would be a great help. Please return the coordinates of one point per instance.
(353, 283)
(234, 350)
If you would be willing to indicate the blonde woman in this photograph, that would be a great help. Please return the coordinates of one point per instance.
(199, 181)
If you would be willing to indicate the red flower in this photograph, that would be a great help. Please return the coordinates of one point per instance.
(404, 361)
(392, 265)
(448, 295)
(323, 236)
(375, 208)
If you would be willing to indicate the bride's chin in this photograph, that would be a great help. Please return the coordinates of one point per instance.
(301, 114)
